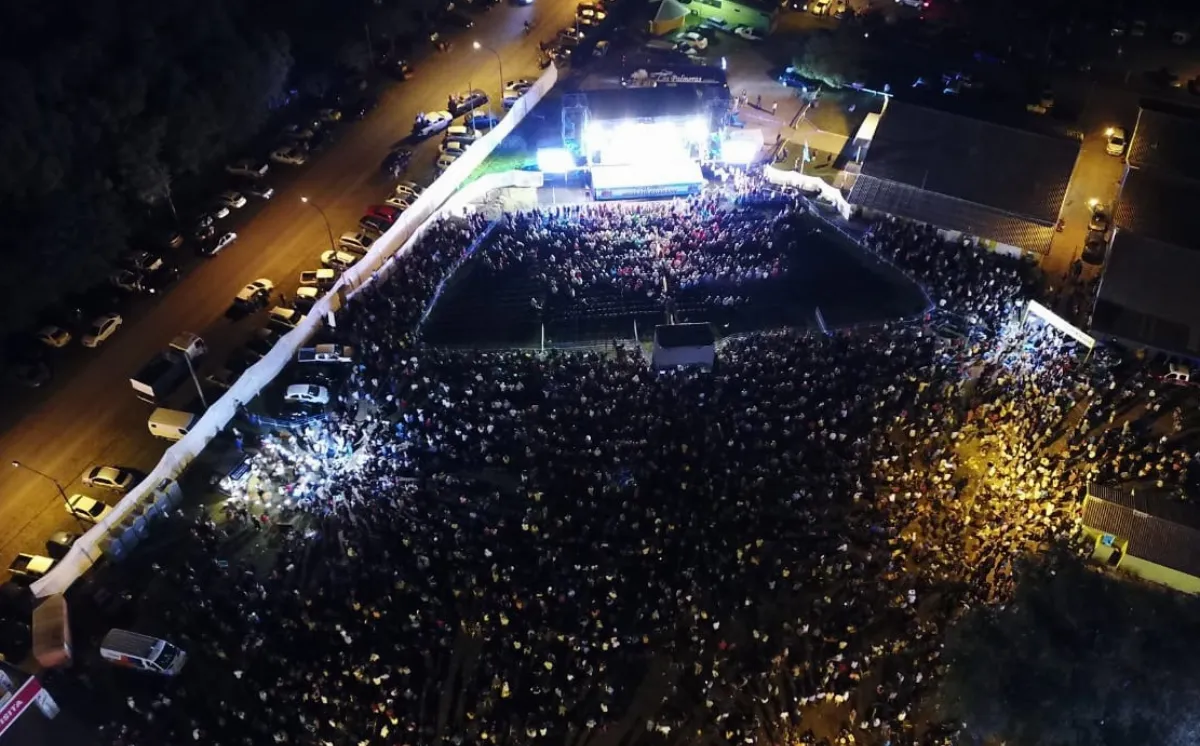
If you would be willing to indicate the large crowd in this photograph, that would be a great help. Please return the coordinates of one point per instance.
(516, 548)
(653, 250)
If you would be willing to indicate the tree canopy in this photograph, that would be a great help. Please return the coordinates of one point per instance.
(111, 106)
(1078, 658)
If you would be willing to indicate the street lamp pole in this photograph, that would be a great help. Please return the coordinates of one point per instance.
(328, 227)
(499, 63)
(58, 485)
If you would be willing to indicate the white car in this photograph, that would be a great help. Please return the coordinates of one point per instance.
(510, 100)
(290, 155)
(748, 33)
(520, 85)
(248, 168)
(455, 147)
(1116, 141)
(284, 319)
(409, 190)
(340, 260)
(400, 203)
(101, 329)
(693, 39)
(446, 160)
(307, 393)
(87, 508)
(233, 199)
(219, 210)
(54, 336)
(256, 293)
(459, 132)
(110, 478)
(432, 123)
(218, 244)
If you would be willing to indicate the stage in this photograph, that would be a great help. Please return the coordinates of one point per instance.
(672, 179)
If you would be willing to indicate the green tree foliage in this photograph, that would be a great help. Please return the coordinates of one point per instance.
(835, 58)
(1078, 658)
(107, 103)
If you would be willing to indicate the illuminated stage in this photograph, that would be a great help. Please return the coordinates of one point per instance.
(678, 179)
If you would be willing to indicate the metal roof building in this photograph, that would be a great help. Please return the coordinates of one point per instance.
(968, 175)
(1145, 533)
(1147, 295)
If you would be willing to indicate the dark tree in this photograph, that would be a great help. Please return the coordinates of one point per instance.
(1078, 658)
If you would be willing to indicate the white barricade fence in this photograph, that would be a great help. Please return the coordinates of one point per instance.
(809, 184)
(439, 198)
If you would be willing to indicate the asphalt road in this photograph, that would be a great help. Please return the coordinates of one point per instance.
(89, 415)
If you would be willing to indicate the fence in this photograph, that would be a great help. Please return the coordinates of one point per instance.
(809, 184)
(439, 198)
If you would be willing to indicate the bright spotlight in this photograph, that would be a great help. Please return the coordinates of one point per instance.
(697, 130)
(555, 160)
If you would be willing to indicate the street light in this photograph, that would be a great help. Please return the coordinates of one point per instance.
(499, 62)
(328, 227)
(18, 465)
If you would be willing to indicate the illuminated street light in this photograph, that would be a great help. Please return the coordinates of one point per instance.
(328, 227)
(58, 485)
(499, 63)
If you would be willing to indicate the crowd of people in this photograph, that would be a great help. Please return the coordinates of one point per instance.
(652, 250)
(513, 548)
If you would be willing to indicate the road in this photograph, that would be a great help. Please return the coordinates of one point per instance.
(89, 415)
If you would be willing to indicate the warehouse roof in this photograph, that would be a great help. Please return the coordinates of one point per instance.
(1018, 172)
(947, 212)
(1156, 204)
(1158, 529)
(1147, 294)
(1165, 138)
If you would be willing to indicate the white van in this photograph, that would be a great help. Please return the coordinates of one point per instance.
(170, 424)
(142, 652)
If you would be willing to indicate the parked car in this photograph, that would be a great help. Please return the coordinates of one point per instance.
(329, 115)
(318, 278)
(307, 393)
(445, 161)
(87, 508)
(1094, 250)
(259, 190)
(574, 36)
(590, 16)
(29, 372)
(386, 213)
(461, 103)
(463, 133)
(431, 123)
(396, 161)
(749, 33)
(231, 200)
(482, 121)
(248, 168)
(458, 20)
(1116, 141)
(339, 260)
(110, 478)
(54, 336)
(357, 242)
(101, 329)
(374, 224)
(409, 189)
(291, 155)
(215, 246)
(255, 294)
(454, 147)
(300, 131)
(520, 85)
(284, 319)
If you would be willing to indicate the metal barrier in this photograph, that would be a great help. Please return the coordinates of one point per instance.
(439, 198)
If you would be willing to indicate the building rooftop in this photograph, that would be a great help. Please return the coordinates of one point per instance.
(1158, 529)
(1165, 138)
(1159, 205)
(1014, 171)
(947, 212)
(1148, 294)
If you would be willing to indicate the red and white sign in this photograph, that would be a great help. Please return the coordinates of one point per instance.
(19, 703)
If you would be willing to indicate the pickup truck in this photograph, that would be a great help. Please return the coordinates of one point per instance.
(163, 374)
(30, 566)
(327, 353)
(319, 278)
